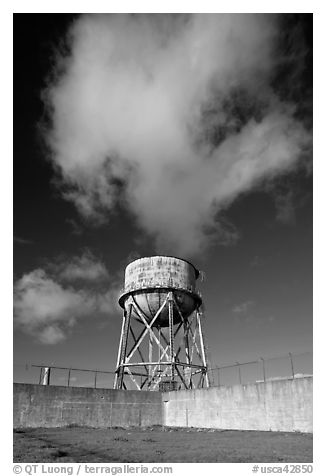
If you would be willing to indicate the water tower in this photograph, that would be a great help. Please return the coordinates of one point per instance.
(161, 343)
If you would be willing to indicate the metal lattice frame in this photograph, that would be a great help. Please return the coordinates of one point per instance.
(151, 355)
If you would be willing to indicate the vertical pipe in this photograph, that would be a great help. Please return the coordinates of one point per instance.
(159, 350)
(69, 377)
(45, 376)
(119, 350)
(95, 379)
(186, 339)
(187, 370)
(201, 337)
(121, 369)
(115, 385)
(150, 356)
(171, 335)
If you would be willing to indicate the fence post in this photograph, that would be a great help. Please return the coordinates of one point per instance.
(239, 372)
(95, 379)
(69, 377)
(292, 368)
(264, 374)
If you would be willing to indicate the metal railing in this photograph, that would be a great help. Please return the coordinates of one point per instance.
(289, 366)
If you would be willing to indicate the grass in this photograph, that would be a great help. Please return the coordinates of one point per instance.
(157, 445)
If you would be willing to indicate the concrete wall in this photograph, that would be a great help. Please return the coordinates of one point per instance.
(52, 406)
(282, 405)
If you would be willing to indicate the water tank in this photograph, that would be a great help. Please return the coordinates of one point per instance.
(148, 282)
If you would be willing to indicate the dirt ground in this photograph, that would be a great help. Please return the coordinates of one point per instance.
(157, 445)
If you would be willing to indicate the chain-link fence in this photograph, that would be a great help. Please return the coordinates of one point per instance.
(260, 370)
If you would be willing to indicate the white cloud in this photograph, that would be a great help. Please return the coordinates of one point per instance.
(22, 241)
(247, 313)
(172, 115)
(51, 335)
(285, 210)
(85, 268)
(244, 307)
(48, 308)
(257, 261)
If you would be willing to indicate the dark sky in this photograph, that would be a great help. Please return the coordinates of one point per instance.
(257, 292)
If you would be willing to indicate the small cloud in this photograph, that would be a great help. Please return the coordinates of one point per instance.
(288, 196)
(246, 312)
(46, 309)
(49, 303)
(22, 241)
(84, 268)
(243, 308)
(285, 209)
(51, 335)
(76, 229)
(227, 233)
(257, 261)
